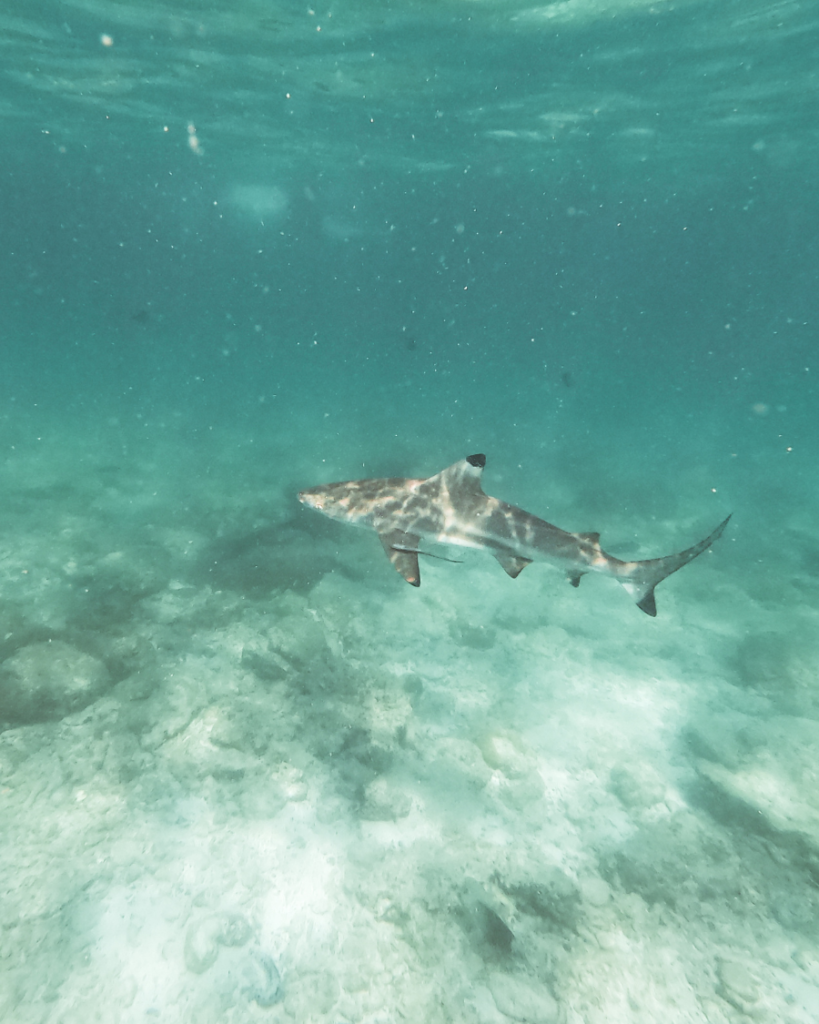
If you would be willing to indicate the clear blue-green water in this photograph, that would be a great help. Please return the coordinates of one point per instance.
(246, 772)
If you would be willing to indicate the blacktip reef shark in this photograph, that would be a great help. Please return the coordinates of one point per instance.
(452, 508)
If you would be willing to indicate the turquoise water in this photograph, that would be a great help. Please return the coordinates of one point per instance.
(246, 772)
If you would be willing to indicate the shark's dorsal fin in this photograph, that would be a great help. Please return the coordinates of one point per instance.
(592, 538)
(512, 564)
(465, 475)
(401, 549)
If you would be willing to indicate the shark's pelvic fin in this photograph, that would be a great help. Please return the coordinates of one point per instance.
(512, 564)
(640, 578)
(466, 476)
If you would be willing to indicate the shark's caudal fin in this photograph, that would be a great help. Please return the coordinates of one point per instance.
(640, 578)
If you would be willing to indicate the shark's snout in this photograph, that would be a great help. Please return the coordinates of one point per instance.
(310, 499)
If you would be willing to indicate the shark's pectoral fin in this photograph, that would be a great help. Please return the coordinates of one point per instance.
(511, 564)
(401, 549)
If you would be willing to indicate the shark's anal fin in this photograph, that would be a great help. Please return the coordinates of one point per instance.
(512, 564)
(401, 549)
(574, 578)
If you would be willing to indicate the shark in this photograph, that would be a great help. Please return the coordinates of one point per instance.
(452, 508)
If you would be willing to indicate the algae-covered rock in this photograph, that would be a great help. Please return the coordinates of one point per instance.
(46, 681)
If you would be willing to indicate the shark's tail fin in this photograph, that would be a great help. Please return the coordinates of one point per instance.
(640, 578)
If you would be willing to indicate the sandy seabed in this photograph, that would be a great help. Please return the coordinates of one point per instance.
(246, 773)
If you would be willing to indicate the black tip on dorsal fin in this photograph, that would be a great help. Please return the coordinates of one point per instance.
(592, 538)
(478, 461)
